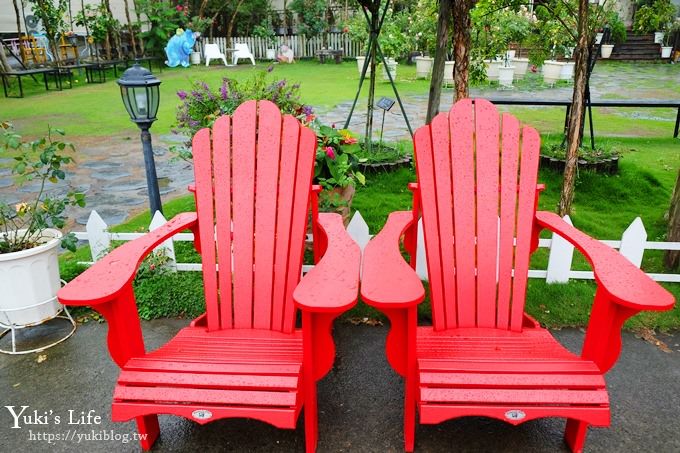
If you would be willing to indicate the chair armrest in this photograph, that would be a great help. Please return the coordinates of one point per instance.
(622, 281)
(107, 278)
(387, 280)
(333, 284)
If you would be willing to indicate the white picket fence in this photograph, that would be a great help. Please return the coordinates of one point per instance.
(632, 245)
(302, 46)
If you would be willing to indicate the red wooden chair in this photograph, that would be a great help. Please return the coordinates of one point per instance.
(483, 356)
(244, 357)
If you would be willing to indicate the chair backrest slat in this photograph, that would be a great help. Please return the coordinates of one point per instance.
(478, 198)
(258, 168)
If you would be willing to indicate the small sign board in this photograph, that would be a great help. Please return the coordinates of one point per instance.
(385, 103)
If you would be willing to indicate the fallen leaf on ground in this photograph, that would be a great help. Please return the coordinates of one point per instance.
(650, 337)
(41, 358)
(366, 321)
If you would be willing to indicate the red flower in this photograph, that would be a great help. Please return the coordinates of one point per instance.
(179, 7)
(330, 152)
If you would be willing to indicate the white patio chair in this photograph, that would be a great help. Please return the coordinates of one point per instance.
(242, 51)
(211, 51)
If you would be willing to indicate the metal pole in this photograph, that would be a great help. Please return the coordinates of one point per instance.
(382, 128)
(150, 167)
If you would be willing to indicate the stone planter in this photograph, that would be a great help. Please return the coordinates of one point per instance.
(195, 58)
(360, 66)
(551, 71)
(606, 50)
(567, 71)
(505, 75)
(492, 69)
(608, 166)
(424, 67)
(448, 73)
(666, 51)
(521, 65)
(30, 280)
(510, 54)
(658, 37)
(391, 67)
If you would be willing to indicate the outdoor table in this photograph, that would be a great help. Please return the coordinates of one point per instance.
(330, 53)
(229, 54)
(28, 72)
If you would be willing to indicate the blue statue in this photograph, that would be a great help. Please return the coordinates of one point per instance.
(179, 48)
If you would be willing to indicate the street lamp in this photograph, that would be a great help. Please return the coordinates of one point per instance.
(140, 92)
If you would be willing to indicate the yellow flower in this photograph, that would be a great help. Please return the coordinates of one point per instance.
(22, 208)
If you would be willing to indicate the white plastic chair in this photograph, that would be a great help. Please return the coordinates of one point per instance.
(211, 51)
(242, 51)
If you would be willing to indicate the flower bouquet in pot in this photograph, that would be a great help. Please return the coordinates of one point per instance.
(29, 230)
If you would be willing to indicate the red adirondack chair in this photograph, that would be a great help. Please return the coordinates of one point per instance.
(483, 356)
(244, 357)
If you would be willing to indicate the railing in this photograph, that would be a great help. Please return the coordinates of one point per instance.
(302, 46)
(632, 245)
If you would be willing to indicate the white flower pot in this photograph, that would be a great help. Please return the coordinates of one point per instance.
(448, 73)
(598, 38)
(505, 75)
(551, 71)
(195, 58)
(29, 278)
(392, 67)
(424, 67)
(658, 37)
(666, 51)
(270, 54)
(510, 54)
(492, 69)
(360, 66)
(606, 50)
(567, 71)
(521, 65)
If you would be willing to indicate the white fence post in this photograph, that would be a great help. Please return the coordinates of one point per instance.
(97, 236)
(421, 256)
(559, 261)
(167, 247)
(358, 230)
(633, 242)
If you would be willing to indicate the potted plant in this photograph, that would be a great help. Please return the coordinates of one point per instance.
(265, 31)
(394, 43)
(336, 168)
(656, 17)
(667, 48)
(422, 27)
(29, 270)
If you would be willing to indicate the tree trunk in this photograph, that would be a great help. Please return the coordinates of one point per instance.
(443, 26)
(17, 14)
(133, 42)
(672, 257)
(230, 25)
(461, 46)
(576, 115)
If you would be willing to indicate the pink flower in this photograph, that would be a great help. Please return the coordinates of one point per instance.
(330, 152)
(349, 140)
(309, 118)
(179, 8)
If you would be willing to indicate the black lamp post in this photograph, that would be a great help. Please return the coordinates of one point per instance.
(140, 93)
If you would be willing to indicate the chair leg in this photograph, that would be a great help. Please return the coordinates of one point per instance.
(311, 418)
(148, 430)
(575, 435)
(409, 415)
